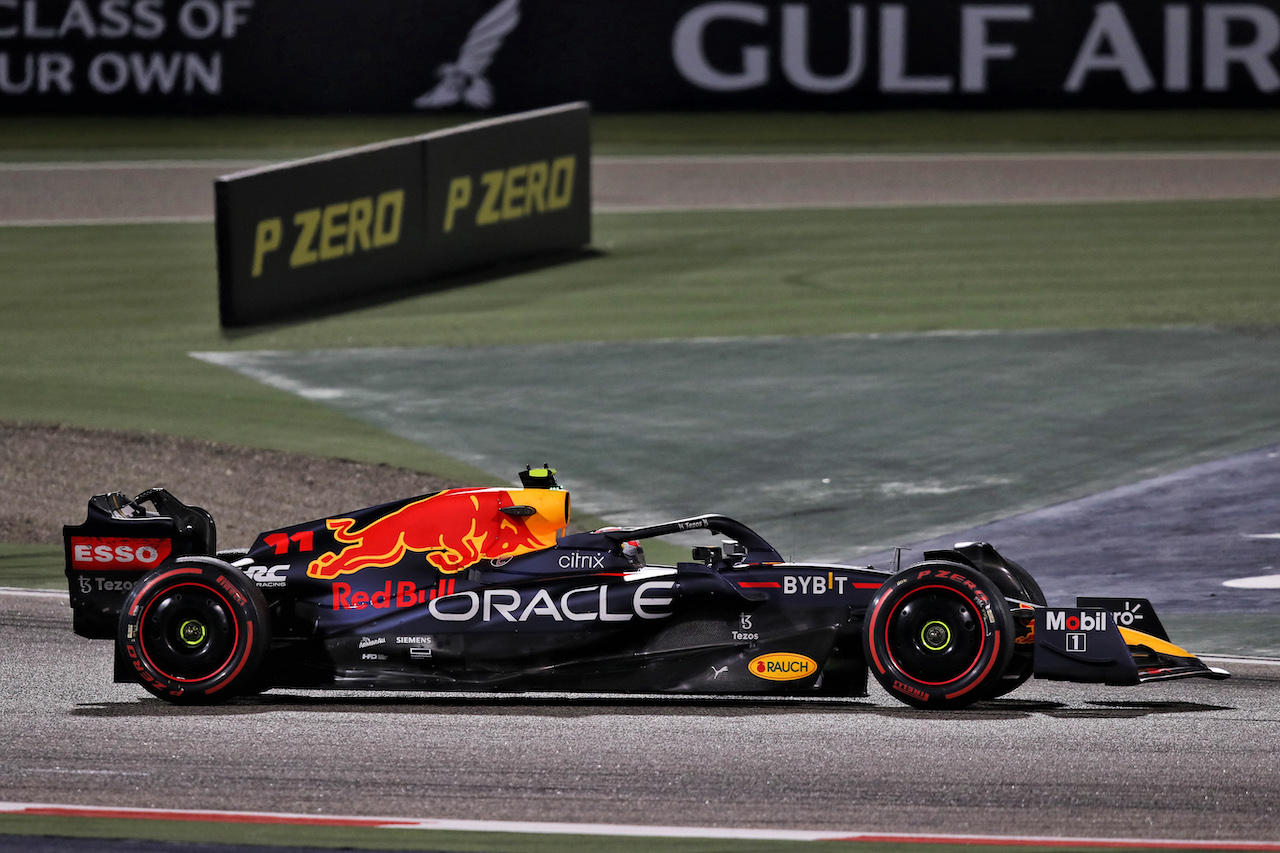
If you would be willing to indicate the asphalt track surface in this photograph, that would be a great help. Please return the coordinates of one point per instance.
(1190, 759)
(1178, 537)
(141, 191)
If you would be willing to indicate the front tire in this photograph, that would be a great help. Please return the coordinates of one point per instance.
(194, 631)
(1022, 664)
(939, 635)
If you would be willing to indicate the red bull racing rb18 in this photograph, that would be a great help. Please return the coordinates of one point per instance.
(487, 590)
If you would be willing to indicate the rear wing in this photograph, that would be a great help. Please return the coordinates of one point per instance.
(120, 541)
(1085, 643)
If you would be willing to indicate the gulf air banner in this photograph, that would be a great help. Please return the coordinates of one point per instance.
(307, 237)
(500, 56)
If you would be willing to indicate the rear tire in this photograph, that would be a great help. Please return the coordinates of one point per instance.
(939, 635)
(194, 631)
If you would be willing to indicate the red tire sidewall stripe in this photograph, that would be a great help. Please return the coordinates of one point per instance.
(235, 646)
(995, 655)
(871, 620)
(898, 668)
(244, 659)
(146, 589)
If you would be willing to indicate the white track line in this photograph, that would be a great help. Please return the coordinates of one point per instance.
(615, 830)
(119, 220)
(34, 593)
(943, 157)
(146, 165)
(1240, 660)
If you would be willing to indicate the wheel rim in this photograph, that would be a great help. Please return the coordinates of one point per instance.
(193, 633)
(188, 632)
(934, 635)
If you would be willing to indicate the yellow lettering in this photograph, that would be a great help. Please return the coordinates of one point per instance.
(513, 191)
(459, 198)
(561, 188)
(536, 187)
(266, 240)
(488, 213)
(358, 222)
(331, 229)
(309, 222)
(386, 225)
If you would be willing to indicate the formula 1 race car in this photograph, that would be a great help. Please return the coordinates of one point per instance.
(483, 589)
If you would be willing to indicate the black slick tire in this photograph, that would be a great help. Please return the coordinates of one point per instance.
(194, 631)
(939, 635)
(1022, 664)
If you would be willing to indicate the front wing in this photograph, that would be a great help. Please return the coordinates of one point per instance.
(1085, 643)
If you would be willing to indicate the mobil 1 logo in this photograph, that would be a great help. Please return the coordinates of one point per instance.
(1081, 644)
(1075, 626)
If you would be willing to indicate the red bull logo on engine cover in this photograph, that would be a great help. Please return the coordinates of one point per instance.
(454, 529)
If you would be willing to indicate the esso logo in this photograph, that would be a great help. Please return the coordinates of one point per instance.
(108, 553)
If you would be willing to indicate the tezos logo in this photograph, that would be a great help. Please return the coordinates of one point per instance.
(746, 634)
(782, 666)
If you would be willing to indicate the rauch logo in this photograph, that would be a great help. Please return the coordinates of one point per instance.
(783, 666)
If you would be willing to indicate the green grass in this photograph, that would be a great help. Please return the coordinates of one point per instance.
(96, 322)
(32, 566)
(825, 272)
(933, 131)
(151, 137)
(276, 137)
